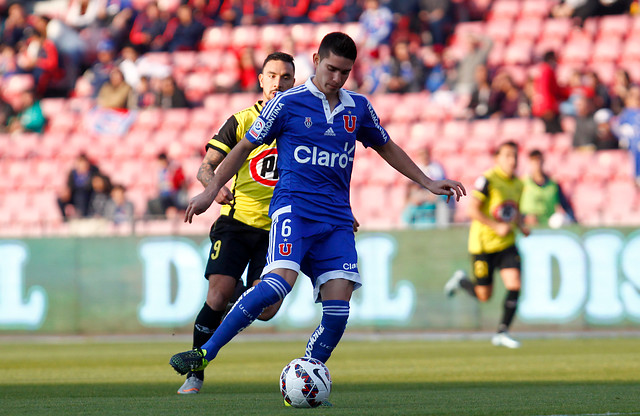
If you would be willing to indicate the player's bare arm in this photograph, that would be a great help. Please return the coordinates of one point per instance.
(232, 163)
(206, 172)
(400, 161)
(475, 213)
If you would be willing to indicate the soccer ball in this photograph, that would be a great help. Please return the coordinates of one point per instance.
(305, 382)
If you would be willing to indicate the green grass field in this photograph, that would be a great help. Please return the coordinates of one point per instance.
(545, 377)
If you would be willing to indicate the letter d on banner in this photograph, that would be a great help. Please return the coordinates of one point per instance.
(158, 308)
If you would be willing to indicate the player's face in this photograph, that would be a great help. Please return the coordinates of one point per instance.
(331, 72)
(507, 160)
(277, 76)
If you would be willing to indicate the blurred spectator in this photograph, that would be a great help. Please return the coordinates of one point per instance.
(38, 56)
(583, 9)
(119, 209)
(115, 92)
(542, 197)
(169, 95)
(148, 27)
(575, 88)
(84, 13)
(506, 98)
(172, 189)
(591, 82)
(376, 71)
(75, 198)
(547, 94)
(142, 96)
(406, 70)
(248, 71)
(463, 76)
(14, 26)
(128, 64)
(437, 73)
(6, 114)
(29, 117)
(8, 62)
(436, 18)
(100, 195)
(294, 11)
(479, 103)
(423, 208)
(100, 71)
(627, 128)
(619, 90)
(605, 139)
(376, 25)
(585, 135)
(183, 32)
(302, 59)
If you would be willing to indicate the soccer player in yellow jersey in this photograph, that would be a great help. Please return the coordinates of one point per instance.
(495, 217)
(240, 236)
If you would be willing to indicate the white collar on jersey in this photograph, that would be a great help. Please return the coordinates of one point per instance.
(345, 100)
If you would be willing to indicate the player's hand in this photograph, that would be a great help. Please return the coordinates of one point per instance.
(525, 230)
(448, 187)
(197, 205)
(356, 225)
(224, 196)
(502, 229)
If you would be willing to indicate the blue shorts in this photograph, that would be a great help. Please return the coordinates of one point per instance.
(321, 251)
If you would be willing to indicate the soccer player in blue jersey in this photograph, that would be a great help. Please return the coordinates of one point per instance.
(316, 125)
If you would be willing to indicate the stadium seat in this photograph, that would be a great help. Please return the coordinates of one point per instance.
(273, 35)
(504, 10)
(559, 28)
(631, 50)
(519, 52)
(512, 127)
(174, 118)
(63, 121)
(576, 51)
(536, 8)
(399, 133)
(527, 29)
(244, 36)
(614, 26)
(216, 38)
(499, 30)
(606, 50)
(184, 61)
(302, 35)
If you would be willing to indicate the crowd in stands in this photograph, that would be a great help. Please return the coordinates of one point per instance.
(130, 55)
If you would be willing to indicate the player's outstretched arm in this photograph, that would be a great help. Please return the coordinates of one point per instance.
(229, 167)
(400, 161)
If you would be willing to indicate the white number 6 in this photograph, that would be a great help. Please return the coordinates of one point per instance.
(286, 230)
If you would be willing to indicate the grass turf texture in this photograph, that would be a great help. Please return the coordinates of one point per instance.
(545, 377)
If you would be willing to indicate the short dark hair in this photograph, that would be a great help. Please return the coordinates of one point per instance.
(509, 143)
(340, 44)
(535, 153)
(549, 56)
(279, 56)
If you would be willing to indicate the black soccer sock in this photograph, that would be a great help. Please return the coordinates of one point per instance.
(206, 323)
(509, 311)
(469, 287)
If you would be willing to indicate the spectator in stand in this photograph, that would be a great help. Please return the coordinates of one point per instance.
(436, 19)
(574, 89)
(8, 61)
(247, 71)
(74, 199)
(580, 10)
(478, 107)
(463, 76)
(585, 135)
(423, 208)
(100, 71)
(591, 82)
(330, 11)
(295, 11)
(142, 96)
(128, 64)
(542, 197)
(376, 71)
(100, 196)
(172, 190)
(84, 13)
(547, 94)
(619, 90)
(605, 139)
(506, 97)
(376, 26)
(115, 92)
(29, 117)
(435, 66)
(6, 114)
(38, 56)
(14, 26)
(183, 32)
(406, 70)
(627, 128)
(170, 95)
(148, 28)
(119, 209)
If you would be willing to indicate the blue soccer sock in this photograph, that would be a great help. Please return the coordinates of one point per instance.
(326, 337)
(271, 289)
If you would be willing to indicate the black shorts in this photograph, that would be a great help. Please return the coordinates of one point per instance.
(483, 265)
(234, 245)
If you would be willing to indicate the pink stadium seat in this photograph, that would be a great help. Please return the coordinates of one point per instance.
(244, 36)
(456, 129)
(51, 106)
(184, 61)
(425, 130)
(482, 130)
(527, 29)
(631, 50)
(216, 37)
(504, 9)
(63, 121)
(519, 52)
(399, 133)
(175, 118)
(536, 8)
(322, 29)
(606, 50)
(302, 35)
(614, 26)
(147, 119)
(512, 127)
(446, 146)
(576, 51)
(556, 28)
(499, 30)
(496, 55)
(273, 34)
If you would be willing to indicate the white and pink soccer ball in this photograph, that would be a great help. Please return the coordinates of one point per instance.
(305, 382)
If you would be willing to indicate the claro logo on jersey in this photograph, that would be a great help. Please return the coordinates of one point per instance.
(264, 167)
(315, 156)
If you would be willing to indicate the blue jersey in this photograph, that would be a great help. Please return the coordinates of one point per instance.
(316, 148)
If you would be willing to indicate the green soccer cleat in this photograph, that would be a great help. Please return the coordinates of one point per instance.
(192, 360)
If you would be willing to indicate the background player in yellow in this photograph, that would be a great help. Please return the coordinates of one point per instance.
(495, 216)
(240, 236)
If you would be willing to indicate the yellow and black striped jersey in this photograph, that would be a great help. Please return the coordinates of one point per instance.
(500, 197)
(252, 186)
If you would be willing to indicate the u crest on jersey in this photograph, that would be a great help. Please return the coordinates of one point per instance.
(349, 123)
(284, 249)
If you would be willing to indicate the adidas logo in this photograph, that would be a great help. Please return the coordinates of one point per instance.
(329, 132)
